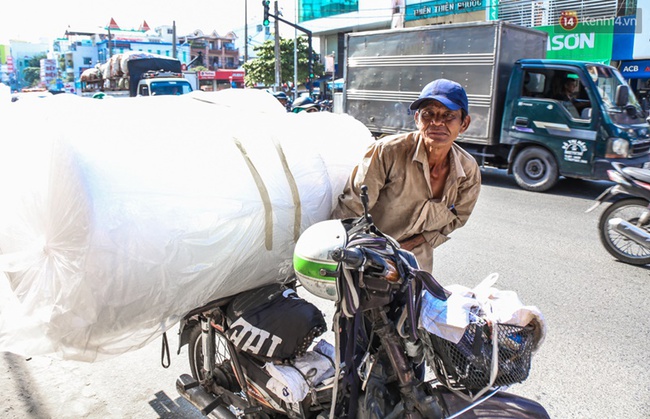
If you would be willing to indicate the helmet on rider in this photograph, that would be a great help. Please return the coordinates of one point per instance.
(312, 257)
(304, 103)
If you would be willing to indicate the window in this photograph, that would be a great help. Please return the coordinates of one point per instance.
(88, 61)
(533, 84)
(562, 86)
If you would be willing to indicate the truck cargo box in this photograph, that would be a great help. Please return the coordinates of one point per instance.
(386, 70)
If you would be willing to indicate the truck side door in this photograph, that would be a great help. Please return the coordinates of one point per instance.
(550, 107)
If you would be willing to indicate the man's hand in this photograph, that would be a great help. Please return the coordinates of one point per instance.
(412, 242)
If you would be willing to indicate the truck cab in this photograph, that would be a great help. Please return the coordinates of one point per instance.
(158, 84)
(572, 119)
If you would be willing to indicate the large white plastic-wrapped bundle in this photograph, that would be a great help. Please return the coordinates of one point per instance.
(116, 65)
(106, 240)
(126, 56)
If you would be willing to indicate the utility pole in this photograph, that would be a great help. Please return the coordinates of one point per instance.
(277, 45)
(110, 46)
(245, 31)
(278, 70)
(295, 53)
(174, 53)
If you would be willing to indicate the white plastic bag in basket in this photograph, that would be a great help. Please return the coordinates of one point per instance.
(448, 319)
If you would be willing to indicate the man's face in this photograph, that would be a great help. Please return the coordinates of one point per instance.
(572, 85)
(440, 124)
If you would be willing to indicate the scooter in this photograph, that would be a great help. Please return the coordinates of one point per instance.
(624, 227)
(250, 353)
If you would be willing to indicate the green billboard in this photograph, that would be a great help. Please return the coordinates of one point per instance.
(586, 41)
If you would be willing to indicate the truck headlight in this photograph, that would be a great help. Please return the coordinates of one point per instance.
(617, 148)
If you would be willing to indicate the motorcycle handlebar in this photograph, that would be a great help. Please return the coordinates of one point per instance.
(352, 257)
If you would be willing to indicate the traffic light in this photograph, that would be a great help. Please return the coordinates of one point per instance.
(266, 20)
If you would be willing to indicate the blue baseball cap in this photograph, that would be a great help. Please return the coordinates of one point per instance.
(447, 92)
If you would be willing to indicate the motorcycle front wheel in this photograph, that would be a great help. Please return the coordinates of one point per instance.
(619, 246)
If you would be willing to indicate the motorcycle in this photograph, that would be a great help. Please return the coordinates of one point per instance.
(249, 353)
(624, 227)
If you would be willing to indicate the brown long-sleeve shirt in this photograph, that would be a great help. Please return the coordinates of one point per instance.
(396, 171)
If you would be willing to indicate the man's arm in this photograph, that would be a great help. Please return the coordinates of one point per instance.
(371, 172)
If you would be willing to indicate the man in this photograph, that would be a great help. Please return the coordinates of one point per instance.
(421, 185)
(282, 98)
(567, 94)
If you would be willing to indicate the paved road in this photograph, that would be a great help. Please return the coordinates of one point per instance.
(593, 364)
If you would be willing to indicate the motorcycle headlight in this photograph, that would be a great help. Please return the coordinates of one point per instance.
(617, 148)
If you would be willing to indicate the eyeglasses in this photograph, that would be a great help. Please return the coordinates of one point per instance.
(426, 117)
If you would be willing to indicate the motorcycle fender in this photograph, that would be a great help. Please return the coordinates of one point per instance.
(184, 330)
(605, 196)
(502, 405)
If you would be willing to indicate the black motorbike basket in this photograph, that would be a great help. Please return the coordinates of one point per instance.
(273, 323)
(466, 365)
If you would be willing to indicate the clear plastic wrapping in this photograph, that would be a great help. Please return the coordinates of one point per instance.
(119, 216)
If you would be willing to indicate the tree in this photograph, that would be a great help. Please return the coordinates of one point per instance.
(32, 76)
(262, 69)
(32, 73)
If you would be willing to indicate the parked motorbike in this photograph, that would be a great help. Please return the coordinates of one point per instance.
(243, 350)
(624, 227)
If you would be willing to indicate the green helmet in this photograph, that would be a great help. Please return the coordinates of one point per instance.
(312, 257)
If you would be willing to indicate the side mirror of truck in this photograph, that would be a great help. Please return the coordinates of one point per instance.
(622, 95)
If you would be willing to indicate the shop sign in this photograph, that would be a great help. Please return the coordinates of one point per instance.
(641, 46)
(492, 10)
(586, 41)
(207, 75)
(416, 10)
(635, 69)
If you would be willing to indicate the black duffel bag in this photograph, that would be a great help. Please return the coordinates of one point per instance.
(273, 323)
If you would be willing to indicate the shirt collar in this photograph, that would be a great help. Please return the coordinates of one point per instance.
(420, 155)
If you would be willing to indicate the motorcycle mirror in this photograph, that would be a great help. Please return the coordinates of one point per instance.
(364, 201)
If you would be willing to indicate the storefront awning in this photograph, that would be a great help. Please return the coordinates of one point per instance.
(638, 69)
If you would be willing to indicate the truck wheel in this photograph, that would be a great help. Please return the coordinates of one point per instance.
(535, 169)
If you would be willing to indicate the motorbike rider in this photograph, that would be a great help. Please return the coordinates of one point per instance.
(283, 99)
(421, 184)
(304, 104)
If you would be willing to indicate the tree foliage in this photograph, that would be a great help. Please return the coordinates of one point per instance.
(262, 69)
(32, 73)
(35, 61)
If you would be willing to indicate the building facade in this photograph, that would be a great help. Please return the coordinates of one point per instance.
(84, 48)
(18, 59)
(216, 51)
(578, 29)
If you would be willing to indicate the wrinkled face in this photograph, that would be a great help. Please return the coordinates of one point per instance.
(440, 124)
